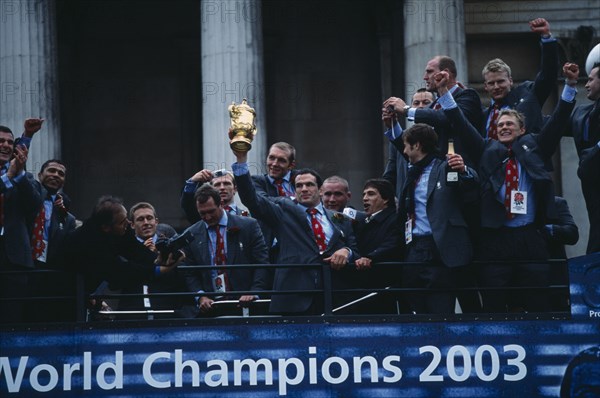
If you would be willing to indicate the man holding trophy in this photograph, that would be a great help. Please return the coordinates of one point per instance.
(307, 233)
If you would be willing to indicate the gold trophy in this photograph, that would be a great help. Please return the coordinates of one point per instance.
(243, 129)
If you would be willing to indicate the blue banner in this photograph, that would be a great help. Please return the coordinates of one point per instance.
(311, 357)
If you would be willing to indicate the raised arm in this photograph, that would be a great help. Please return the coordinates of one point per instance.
(545, 81)
(549, 137)
(186, 201)
(260, 206)
(472, 141)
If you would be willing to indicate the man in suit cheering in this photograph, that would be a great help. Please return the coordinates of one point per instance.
(307, 234)
(528, 97)
(466, 98)
(436, 232)
(517, 196)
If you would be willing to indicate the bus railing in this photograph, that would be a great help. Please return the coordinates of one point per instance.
(84, 312)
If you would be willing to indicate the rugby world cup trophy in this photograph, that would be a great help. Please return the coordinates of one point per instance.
(243, 129)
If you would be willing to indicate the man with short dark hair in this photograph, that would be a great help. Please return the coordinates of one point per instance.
(436, 233)
(422, 98)
(307, 234)
(222, 238)
(222, 180)
(52, 222)
(377, 231)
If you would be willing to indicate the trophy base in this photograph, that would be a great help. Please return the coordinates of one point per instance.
(240, 144)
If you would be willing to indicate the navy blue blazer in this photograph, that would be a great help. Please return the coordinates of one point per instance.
(533, 151)
(529, 97)
(61, 224)
(469, 102)
(589, 173)
(576, 127)
(21, 203)
(297, 245)
(445, 205)
(245, 245)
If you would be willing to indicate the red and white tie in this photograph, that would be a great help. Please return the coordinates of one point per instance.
(37, 239)
(221, 257)
(279, 184)
(317, 229)
(511, 182)
(492, 132)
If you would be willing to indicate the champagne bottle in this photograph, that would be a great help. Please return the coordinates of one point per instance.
(451, 175)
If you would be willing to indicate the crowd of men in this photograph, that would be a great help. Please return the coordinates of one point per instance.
(463, 183)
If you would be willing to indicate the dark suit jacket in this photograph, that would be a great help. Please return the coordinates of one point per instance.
(396, 167)
(170, 282)
(533, 152)
(589, 173)
(264, 187)
(445, 206)
(297, 245)
(119, 260)
(186, 201)
(576, 128)
(21, 202)
(60, 226)
(379, 239)
(245, 245)
(564, 230)
(529, 97)
(469, 102)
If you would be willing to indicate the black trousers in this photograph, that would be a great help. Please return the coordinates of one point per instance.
(14, 288)
(433, 275)
(510, 245)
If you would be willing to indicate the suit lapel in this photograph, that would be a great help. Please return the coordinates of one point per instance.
(302, 217)
(204, 245)
(337, 233)
(232, 241)
(433, 177)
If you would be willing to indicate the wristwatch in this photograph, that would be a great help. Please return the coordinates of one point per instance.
(405, 110)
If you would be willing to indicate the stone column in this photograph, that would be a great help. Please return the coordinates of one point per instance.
(432, 27)
(28, 74)
(232, 69)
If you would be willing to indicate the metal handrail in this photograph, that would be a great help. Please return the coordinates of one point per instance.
(327, 292)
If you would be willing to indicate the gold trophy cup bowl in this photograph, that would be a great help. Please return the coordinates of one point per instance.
(243, 129)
